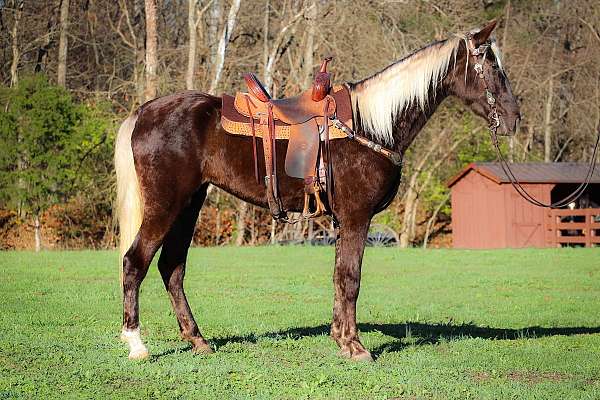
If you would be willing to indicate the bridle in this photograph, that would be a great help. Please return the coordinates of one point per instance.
(479, 54)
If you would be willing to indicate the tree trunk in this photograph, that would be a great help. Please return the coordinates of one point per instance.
(63, 44)
(266, 37)
(411, 195)
(410, 206)
(218, 218)
(38, 234)
(432, 220)
(409, 225)
(548, 112)
(253, 230)
(191, 66)
(151, 50)
(225, 35)
(274, 51)
(212, 33)
(241, 223)
(308, 61)
(16, 54)
(273, 238)
(42, 51)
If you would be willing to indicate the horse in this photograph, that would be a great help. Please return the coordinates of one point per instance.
(172, 148)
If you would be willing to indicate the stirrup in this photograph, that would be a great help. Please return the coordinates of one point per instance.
(274, 202)
(315, 191)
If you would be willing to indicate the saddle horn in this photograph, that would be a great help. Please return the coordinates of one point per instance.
(322, 82)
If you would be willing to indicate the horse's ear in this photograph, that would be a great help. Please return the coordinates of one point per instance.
(484, 34)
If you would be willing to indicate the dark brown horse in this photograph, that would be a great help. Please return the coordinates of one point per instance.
(174, 147)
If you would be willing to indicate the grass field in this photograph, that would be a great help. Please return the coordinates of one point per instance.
(521, 324)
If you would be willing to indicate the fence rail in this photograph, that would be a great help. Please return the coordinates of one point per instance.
(564, 227)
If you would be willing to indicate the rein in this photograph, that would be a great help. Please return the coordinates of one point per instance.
(494, 122)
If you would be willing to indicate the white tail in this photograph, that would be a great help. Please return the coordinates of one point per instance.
(129, 199)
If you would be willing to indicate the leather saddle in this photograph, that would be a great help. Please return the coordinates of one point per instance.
(306, 122)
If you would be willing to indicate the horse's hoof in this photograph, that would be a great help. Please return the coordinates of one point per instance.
(202, 349)
(140, 354)
(345, 353)
(359, 356)
(363, 356)
(137, 350)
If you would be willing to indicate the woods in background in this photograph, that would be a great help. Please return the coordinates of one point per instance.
(72, 70)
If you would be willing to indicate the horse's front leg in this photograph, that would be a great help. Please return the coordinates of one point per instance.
(349, 248)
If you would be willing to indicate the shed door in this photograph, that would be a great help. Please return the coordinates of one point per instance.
(527, 219)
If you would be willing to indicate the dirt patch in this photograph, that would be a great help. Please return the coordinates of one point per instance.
(530, 377)
(480, 376)
(536, 377)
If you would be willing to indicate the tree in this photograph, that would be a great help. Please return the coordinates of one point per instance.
(192, 28)
(151, 51)
(44, 138)
(63, 43)
(223, 42)
(14, 34)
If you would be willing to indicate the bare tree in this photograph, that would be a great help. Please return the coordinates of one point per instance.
(63, 45)
(192, 31)
(309, 48)
(14, 34)
(548, 112)
(225, 35)
(273, 51)
(215, 16)
(242, 213)
(151, 50)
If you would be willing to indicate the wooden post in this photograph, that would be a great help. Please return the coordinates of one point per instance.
(588, 228)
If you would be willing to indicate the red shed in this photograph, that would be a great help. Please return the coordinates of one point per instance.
(488, 213)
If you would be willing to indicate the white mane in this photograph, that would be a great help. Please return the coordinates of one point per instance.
(381, 98)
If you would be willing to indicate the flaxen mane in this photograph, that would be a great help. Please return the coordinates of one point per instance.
(403, 83)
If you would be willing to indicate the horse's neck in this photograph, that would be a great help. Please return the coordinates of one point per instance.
(410, 123)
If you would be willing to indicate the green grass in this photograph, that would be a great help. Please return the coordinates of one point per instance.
(442, 324)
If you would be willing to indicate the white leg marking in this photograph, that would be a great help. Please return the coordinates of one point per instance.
(132, 337)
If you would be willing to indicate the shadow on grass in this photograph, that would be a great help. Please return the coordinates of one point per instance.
(416, 333)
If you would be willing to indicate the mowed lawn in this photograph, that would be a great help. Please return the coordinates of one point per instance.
(522, 324)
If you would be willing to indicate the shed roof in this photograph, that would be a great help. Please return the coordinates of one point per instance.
(532, 172)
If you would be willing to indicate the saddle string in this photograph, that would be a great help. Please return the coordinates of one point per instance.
(253, 128)
(327, 158)
(494, 122)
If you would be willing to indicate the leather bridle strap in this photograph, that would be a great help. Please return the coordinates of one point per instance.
(494, 122)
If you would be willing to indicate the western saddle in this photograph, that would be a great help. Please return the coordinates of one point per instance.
(306, 122)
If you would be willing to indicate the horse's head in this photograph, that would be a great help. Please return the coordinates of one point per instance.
(484, 85)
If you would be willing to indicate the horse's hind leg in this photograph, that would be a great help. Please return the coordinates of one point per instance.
(171, 265)
(135, 266)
